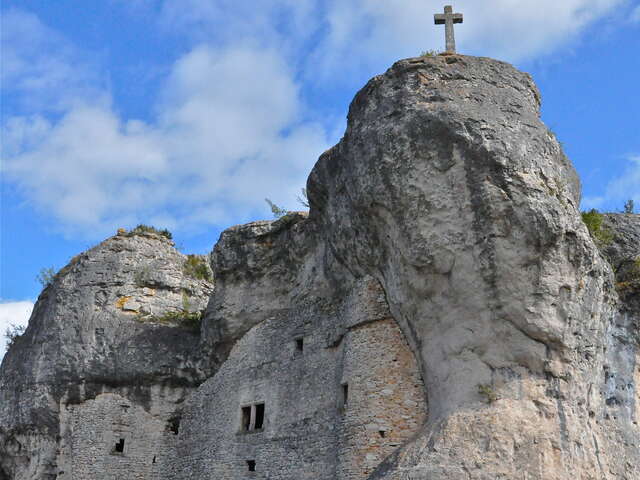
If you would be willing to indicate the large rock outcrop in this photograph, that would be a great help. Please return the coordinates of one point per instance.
(108, 326)
(450, 191)
(441, 313)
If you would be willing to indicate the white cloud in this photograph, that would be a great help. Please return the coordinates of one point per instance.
(349, 34)
(364, 30)
(231, 125)
(229, 133)
(269, 23)
(41, 65)
(624, 187)
(12, 313)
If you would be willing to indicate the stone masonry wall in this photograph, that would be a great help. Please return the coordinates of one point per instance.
(309, 431)
(386, 396)
(92, 429)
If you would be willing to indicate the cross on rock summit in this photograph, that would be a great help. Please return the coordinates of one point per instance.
(448, 18)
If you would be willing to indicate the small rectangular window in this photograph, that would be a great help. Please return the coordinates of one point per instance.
(299, 344)
(251, 465)
(259, 416)
(345, 394)
(246, 418)
(120, 446)
(252, 417)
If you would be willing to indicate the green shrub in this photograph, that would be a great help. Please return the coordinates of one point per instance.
(196, 267)
(140, 229)
(629, 206)
(487, 392)
(46, 276)
(182, 318)
(601, 234)
(12, 333)
(275, 209)
(430, 53)
(191, 320)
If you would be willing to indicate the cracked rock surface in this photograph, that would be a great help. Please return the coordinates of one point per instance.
(100, 327)
(449, 190)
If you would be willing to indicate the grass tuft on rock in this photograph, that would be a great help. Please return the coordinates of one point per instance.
(488, 393)
(196, 267)
(180, 318)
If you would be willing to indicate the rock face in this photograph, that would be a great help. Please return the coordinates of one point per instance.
(449, 190)
(441, 313)
(623, 252)
(100, 340)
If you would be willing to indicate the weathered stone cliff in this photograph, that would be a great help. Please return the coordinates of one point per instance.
(102, 327)
(450, 191)
(441, 313)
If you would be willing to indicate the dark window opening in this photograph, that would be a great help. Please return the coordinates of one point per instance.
(174, 425)
(259, 416)
(120, 446)
(382, 433)
(251, 464)
(154, 459)
(299, 344)
(345, 394)
(246, 418)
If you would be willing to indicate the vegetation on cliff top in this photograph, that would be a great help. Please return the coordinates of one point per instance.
(46, 276)
(601, 234)
(12, 333)
(141, 229)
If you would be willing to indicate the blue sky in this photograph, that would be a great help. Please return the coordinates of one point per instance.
(186, 114)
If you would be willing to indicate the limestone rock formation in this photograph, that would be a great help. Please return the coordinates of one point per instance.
(441, 313)
(102, 331)
(450, 191)
(623, 253)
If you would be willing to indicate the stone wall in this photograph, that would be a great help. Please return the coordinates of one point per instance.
(298, 364)
(110, 437)
(386, 396)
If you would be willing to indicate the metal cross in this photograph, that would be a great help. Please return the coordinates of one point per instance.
(448, 18)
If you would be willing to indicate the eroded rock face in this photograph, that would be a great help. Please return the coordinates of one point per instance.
(100, 328)
(623, 252)
(450, 191)
(447, 212)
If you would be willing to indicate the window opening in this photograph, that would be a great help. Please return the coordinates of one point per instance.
(300, 344)
(259, 416)
(246, 418)
(174, 425)
(120, 446)
(382, 433)
(253, 417)
(251, 465)
(345, 394)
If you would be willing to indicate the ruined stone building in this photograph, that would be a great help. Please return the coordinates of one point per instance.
(442, 312)
(307, 394)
